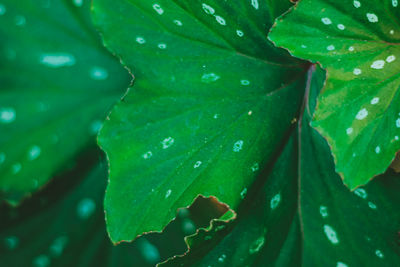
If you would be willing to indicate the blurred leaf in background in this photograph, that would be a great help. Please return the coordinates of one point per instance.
(57, 83)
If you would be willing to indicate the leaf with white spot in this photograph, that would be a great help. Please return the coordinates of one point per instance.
(63, 225)
(314, 213)
(210, 95)
(57, 84)
(362, 89)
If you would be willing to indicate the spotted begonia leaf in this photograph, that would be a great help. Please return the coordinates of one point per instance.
(358, 43)
(303, 209)
(212, 102)
(56, 84)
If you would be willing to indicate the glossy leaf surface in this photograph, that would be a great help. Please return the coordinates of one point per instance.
(358, 43)
(212, 102)
(57, 83)
(304, 209)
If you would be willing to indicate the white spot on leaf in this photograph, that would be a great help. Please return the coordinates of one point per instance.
(208, 9)
(323, 211)
(167, 142)
(85, 208)
(326, 21)
(34, 152)
(375, 100)
(360, 192)
(7, 115)
(158, 9)
(57, 60)
(362, 114)
(275, 201)
(209, 77)
(238, 146)
(378, 64)
(331, 234)
(372, 17)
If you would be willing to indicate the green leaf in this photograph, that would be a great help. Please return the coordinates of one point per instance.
(358, 43)
(304, 208)
(63, 225)
(56, 84)
(212, 102)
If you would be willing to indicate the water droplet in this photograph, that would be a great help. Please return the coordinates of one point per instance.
(85, 208)
(34, 152)
(379, 254)
(255, 167)
(362, 114)
(197, 164)
(57, 60)
(149, 252)
(220, 20)
(208, 9)
(147, 155)
(257, 245)
(255, 4)
(98, 73)
(243, 193)
(20, 20)
(78, 3)
(341, 264)
(2, 157)
(360, 192)
(209, 77)
(167, 142)
(7, 115)
(188, 227)
(16, 168)
(140, 40)
(331, 234)
(95, 126)
(275, 201)
(323, 211)
(162, 46)
(372, 17)
(11, 242)
(3, 9)
(158, 9)
(371, 205)
(222, 258)
(244, 82)
(41, 261)
(238, 146)
(178, 22)
(58, 246)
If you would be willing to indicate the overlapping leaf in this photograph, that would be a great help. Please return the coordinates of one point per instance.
(358, 42)
(63, 225)
(304, 209)
(212, 102)
(56, 84)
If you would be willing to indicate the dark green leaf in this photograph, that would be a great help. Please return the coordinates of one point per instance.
(212, 102)
(358, 43)
(63, 225)
(56, 84)
(305, 216)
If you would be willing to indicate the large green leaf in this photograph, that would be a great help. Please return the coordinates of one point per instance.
(212, 102)
(305, 216)
(63, 225)
(56, 84)
(358, 43)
